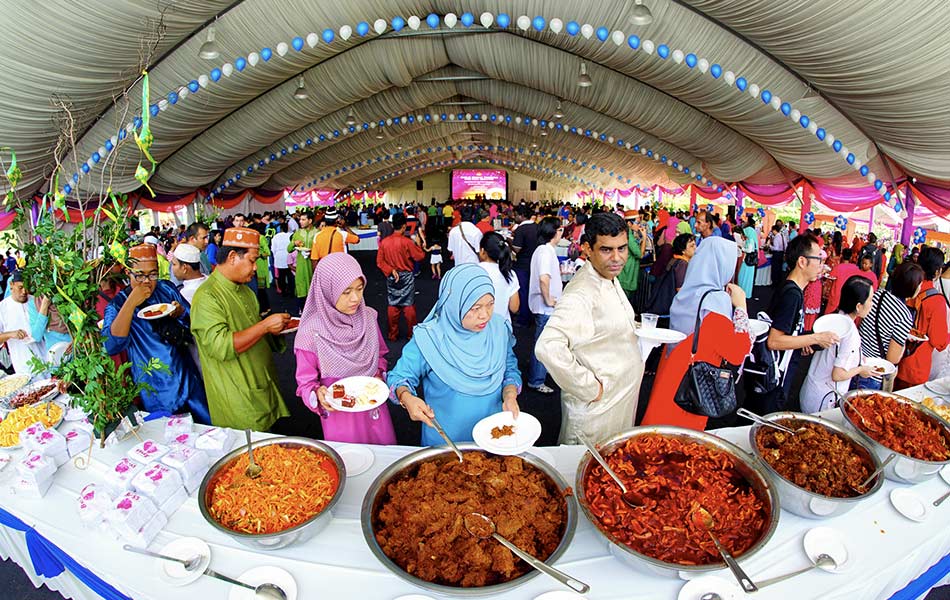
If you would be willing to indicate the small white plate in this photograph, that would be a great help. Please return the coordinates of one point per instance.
(825, 540)
(759, 327)
(837, 324)
(560, 595)
(357, 386)
(941, 387)
(661, 335)
(184, 548)
(879, 363)
(291, 329)
(527, 430)
(543, 454)
(909, 505)
(913, 337)
(165, 308)
(695, 588)
(259, 575)
(945, 474)
(356, 459)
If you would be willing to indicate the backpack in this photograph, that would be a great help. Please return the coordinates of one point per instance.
(663, 293)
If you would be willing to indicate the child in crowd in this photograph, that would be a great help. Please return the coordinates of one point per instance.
(435, 260)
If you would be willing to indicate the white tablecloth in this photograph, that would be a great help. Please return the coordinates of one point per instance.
(368, 239)
(888, 551)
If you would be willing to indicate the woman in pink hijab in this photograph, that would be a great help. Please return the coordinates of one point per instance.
(339, 337)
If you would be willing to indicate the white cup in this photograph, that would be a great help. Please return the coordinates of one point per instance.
(649, 320)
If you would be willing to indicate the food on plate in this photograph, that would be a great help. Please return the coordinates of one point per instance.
(293, 323)
(21, 418)
(31, 395)
(348, 402)
(12, 383)
(942, 410)
(502, 431)
(418, 523)
(156, 311)
(816, 458)
(675, 477)
(900, 427)
(364, 397)
(296, 484)
(338, 391)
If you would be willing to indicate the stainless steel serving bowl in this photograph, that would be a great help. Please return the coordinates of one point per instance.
(902, 469)
(797, 500)
(745, 464)
(297, 533)
(406, 466)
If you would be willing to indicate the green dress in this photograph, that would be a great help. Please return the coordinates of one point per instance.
(263, 267)
(304, 267)
(242, 388)
(630, 275)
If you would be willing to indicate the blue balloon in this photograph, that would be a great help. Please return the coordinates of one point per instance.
(820, 133)
(296, 147)
(95, 157)
(850, 158)
(122, 134)
(108, 145)
(173, 97)
(67, 189)
(602, 34)
(716, 71)
(215, 74)
(283, 151)
(837, 146)
(720, 189)
(266, 53)
(237, 177)
(650, 153)
(467, 19)
(273, 156)
(362, 28)
(336, 133)
(261, 163)
(75, 177)
(663, 158)
(322, 137)
(864, 170)
(663, 51)
(153, 110)
(686, 170)
(193, 87)
(328, 35)
(240, 63)
(691, 60)
(503, 20)
(636, 147)
(766, 96)
(878, 184)
(433, 20)
(85, 168)
(675, 165)
(786, 108)
(804, 121)
(428, 118)
(898, 206)
(603, 137)
(398, 23)
(538, 23)
(742, 84)
(297, 43)
(573, 28)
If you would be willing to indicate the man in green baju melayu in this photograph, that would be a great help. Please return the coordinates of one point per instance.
(302, 242)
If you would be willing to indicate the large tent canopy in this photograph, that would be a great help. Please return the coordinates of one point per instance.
(846, 95)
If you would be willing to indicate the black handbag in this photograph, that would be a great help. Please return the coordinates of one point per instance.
(706, 389)
(751, 259)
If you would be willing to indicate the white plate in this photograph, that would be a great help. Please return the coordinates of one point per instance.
(941, 387)
(184, 548)
(923, 338)
(661, 335)
(909, 505)
(356, 459)
(165, 307)
(560, 595)
(887, 366)
(543, 454)
(526, 433)
(55, 424)
(695, 588)
(355, 386)
(259, 575)
(33, 386)
(837, 324)
(825, 540)
(759, 327)
(945, 474)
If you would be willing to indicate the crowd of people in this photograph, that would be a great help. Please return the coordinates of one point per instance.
(502, 267)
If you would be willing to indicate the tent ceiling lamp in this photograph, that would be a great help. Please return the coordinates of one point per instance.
(350, 118)
(301, 92)
(209, 49)
(583, 79)
(558, 114)
(640, 15)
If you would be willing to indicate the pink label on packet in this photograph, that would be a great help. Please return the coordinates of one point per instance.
(183, 438)
(124, 504)
(149, 447)
(123, 466)
(45, 437)
(71, 435)
(89, 496)
(155, 473)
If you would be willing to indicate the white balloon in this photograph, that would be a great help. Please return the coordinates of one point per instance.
(587, 30)
(468, 116)
(795, 115)
(203, 81)
(594, 134)
(183, 93)
(413, 22)
(451, 20)
(534, 122)
(345, 32)
(227, 69)
(844, 152)
(648, 46)
(678, 56)
(102, 149)
(550, 124)
(753, 90)
(729, 77)
(313, 39)
(253, 58)
(451, 116)
(556, 25)
(389, 122)
(775, 102)
(282, 49)
(486, 19)
(372, 124)
(379, 26)
(89, 163)
(618, 38)
(523, 22)
(610, 139)
(703, 65)
(669, 162)
(812, 127)
(267, 160)
(628, 145)
(829, 139)
(518, 120)
(857, 165)
(871, 177)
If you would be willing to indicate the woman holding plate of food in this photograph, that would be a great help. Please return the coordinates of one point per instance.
(463, 357)
(339, 337)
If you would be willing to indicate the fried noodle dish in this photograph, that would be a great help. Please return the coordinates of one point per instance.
(675, 477)
(419, 519)
(900, 427)
(296, 484)
(816, 458)
(502, 431)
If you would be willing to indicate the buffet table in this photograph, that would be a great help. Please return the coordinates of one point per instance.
(887, 551)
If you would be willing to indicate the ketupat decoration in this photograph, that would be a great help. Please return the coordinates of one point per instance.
(144, 138)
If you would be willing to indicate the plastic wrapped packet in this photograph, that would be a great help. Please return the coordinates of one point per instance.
(29, 489)
(36, 469)
(144, 536)
(188, 461)
(49, 443)
(27, 434)
(92, 504)
(158, 482)
(177, 425)
(130, 512)
(60, 458)
(148, 451)
(185, 439)
(5, 459)
(174, 502)
(77, 441)
(216, 442)
(194, 482)
(119, 478)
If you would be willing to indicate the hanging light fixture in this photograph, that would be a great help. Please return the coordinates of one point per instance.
(640, 15)
(544, 133)
(557, 111)
(209, 49)
(301, 92)
(379, 136)
(583, 79)
(350, 119)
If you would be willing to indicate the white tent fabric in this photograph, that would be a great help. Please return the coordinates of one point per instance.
(873, 73)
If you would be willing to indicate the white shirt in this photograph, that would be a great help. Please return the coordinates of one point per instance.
(189, 287)
(463, 252)
(14, 315)
(292, 225)
(278, 249)
(504, 290)
(544, 262)
(816, 391)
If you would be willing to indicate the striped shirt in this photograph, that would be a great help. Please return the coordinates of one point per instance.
(889, 319)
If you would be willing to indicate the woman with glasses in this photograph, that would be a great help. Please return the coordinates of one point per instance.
(462, 355)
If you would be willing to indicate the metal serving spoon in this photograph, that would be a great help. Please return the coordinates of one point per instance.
(253, 470)
(702, 518)
(483, 528)
(264, 590)
(876, 472)
(447, 439)
(189, 564)
(823, 561)
(742, 412)
(632, 498)
(710, 596)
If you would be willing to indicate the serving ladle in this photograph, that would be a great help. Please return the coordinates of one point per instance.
(748, 414)
(861, 486)
(253, 470)
(632, 498)
(482, 527)
(189, 564)
(822, 561)
(264, 590)
(702, 518)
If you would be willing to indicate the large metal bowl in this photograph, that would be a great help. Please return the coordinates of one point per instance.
(297, 533)
(745, 464)
(903, 469)
(407, 465)
(797, 500)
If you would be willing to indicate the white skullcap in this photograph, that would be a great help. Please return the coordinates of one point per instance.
(187, 253)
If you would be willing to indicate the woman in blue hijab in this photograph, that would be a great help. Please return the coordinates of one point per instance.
(463, 357)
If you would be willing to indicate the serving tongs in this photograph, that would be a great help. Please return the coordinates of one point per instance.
(448, 440)
(747, 414)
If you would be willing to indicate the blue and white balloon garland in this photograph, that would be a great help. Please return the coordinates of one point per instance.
(841, 222)
(920, 235)
(809, 218)
(760, 212)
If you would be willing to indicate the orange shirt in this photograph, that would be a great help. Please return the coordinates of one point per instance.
(932, 321)
(329, 240)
